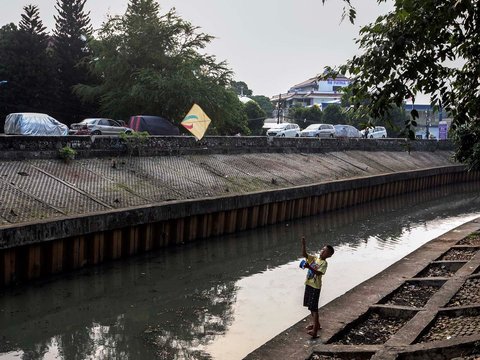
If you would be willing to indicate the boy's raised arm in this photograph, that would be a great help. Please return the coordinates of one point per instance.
(304, 249)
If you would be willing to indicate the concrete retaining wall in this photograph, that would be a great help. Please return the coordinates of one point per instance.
(42, 147)
(47, 247)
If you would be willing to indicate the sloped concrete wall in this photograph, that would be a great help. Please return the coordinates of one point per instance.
(35, 190)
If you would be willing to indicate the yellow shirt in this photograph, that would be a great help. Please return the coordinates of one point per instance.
(318, 264)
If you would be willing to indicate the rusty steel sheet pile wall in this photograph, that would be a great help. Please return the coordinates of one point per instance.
(38, 249)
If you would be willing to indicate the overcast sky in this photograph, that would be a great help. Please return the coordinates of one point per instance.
(269, 44)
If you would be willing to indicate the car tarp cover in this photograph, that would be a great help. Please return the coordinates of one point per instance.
(154, 125)
(34, 124)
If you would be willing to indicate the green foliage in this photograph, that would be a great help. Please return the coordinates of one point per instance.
(393, 120)
(265, 103)
(67, 153)
(240, 88)
(150, 63)
(306, 116)
(423, 46)
(27, 66)
(334, 114)
(72, 31)
(31, 22)
(134, 141)
(256, 116)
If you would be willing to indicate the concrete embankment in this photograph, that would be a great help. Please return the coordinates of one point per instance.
(424, 307)
(108, 203)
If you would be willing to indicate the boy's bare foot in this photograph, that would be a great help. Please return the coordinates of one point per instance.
(312, 334)
(310, 327)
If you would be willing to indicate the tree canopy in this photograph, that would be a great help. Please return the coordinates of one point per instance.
(334, 114)
(150, 63)
(422, 47)
(71, 34)
(26, 66)
(256, 117)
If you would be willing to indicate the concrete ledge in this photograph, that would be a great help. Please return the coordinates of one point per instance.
(46, 147)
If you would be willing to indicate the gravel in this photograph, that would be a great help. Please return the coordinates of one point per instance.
(459, 254)
(473, 239)
(446, 328)
(437, 270)
(468, 294)
(412, 294)
(375, 329)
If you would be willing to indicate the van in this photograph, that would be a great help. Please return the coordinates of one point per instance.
(154, 125)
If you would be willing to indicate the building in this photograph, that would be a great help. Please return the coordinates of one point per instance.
(309, 93)
(432, 123)
(321, 93)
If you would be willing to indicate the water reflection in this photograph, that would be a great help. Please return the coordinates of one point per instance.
(219, 298)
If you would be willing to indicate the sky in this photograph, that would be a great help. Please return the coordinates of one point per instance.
(271, 45)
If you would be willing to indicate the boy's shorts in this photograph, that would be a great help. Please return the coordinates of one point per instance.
(311, 297)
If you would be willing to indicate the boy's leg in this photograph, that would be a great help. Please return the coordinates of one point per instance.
(315, 326)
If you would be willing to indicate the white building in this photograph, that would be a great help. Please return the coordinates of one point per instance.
(311, 92)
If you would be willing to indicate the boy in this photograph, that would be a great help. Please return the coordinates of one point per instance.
(317, 266)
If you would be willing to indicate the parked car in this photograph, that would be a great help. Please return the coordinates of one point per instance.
(154, 125)
(99, 126)
(346, 131)
(284, 130)
(34, 124)
(318, 130)
(374, 133)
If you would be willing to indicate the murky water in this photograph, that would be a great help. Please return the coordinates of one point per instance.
(218, 299)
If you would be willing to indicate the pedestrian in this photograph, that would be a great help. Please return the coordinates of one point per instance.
(317, 266)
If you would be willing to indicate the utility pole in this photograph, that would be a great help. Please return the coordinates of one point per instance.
(279, 106)
(427, 124)
(2, 83)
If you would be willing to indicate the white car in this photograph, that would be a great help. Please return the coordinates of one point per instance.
(318, 130)
(374, 133)
(284, 130)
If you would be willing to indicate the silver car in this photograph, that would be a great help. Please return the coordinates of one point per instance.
(318, 130)
(99, 126)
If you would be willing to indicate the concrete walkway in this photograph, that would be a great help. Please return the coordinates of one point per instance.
(426, 306)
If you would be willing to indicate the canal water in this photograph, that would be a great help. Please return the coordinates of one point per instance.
(221, 298)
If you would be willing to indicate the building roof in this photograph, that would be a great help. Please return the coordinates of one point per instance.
(244, 99)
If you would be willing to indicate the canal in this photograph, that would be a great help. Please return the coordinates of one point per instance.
(221, 298)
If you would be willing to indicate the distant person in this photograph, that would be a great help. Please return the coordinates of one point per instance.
(366, 133)
(317, 266)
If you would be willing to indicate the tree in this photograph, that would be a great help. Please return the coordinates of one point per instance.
(26, 65)
(256, 117)
(265, 103)
(334, 114)
(422, 46)
(71, 34)
(150, 63)
(241, 88)
(305, 116)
